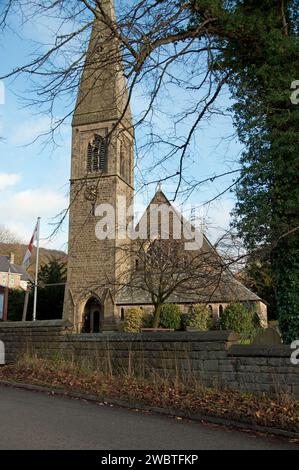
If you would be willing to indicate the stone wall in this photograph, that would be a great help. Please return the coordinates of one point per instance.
(212, 358)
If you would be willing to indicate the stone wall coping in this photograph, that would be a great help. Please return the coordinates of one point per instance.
(36, 324)
(277, 350)
(169, 336)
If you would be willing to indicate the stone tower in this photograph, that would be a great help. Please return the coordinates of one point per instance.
(101, 170)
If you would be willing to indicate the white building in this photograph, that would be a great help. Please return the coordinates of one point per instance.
(13, 275)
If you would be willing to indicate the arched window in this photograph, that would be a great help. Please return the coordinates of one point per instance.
(122, 314)
(97, 154)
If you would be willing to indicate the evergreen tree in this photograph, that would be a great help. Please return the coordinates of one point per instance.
(51, 280)
(258, 46)
(266, 214)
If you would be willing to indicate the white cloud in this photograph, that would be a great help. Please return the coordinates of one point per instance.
(26, 132)
(8, 179)
(20, 210)
(34, 202)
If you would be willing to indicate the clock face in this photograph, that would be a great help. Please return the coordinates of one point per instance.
(90, 193)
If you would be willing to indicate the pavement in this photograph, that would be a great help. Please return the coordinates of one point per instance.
(31, 420)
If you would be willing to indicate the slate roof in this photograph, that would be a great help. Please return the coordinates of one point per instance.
(5, 265)
(228, 290)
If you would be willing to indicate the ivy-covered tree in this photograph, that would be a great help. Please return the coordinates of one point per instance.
(263, 64)
(258, 51)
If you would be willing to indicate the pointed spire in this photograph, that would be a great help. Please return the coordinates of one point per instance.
(103, 91)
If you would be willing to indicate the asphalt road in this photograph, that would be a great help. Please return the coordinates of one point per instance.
(30, 420)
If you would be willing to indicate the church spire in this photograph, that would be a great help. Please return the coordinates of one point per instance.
(103, 90)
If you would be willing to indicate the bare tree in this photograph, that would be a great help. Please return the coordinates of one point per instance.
(160, 271)
(168, 48)
(7, 237)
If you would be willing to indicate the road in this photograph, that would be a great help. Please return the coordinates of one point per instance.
(31, 420)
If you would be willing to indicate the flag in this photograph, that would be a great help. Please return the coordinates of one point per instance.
(26, 260)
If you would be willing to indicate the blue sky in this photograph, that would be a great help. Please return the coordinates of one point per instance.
(34, 178)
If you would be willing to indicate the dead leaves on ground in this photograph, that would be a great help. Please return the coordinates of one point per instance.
(246, 408)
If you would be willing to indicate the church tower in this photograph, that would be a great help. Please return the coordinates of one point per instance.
(101, 170)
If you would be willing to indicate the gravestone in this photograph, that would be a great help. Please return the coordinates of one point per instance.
(268, 336)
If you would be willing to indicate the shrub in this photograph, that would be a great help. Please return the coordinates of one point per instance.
(170, 316)
(238, 318)
(134, 318)
(200, 317)
(16, 299)
(184, 321)
(147, 320)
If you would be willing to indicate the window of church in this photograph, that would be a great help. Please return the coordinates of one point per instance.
(122, 161)
(130, 170)
(96, 155)
(131, 160)
(102, 155)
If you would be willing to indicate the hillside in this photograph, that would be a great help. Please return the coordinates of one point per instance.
(20, 249)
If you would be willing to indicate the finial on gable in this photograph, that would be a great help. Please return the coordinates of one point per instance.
(159, 187)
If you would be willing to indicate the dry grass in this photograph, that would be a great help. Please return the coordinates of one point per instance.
(282, 413)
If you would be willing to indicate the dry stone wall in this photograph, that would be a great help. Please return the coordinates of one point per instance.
(212, 358)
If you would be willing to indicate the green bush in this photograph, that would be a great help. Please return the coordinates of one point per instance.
(147, 320)
(134, 318)
(170, 316)
(238, 318)
(184, 321)
(200, 317)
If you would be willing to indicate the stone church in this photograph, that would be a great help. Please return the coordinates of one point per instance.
(102, 166)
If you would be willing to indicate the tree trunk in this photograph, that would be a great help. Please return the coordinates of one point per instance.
(157, 313)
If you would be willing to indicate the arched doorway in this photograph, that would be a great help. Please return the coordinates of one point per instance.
(93, 316)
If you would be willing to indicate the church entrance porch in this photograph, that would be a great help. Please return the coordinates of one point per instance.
(93, 316)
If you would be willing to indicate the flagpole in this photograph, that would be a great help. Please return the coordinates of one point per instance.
(36, 270)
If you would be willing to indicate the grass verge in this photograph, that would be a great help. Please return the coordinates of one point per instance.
(281, 413)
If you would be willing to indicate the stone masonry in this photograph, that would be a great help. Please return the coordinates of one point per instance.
(211, 358)
(101, 102)
(102, 170)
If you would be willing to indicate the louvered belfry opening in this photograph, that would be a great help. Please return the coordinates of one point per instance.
(97, 154)
(89, 158)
